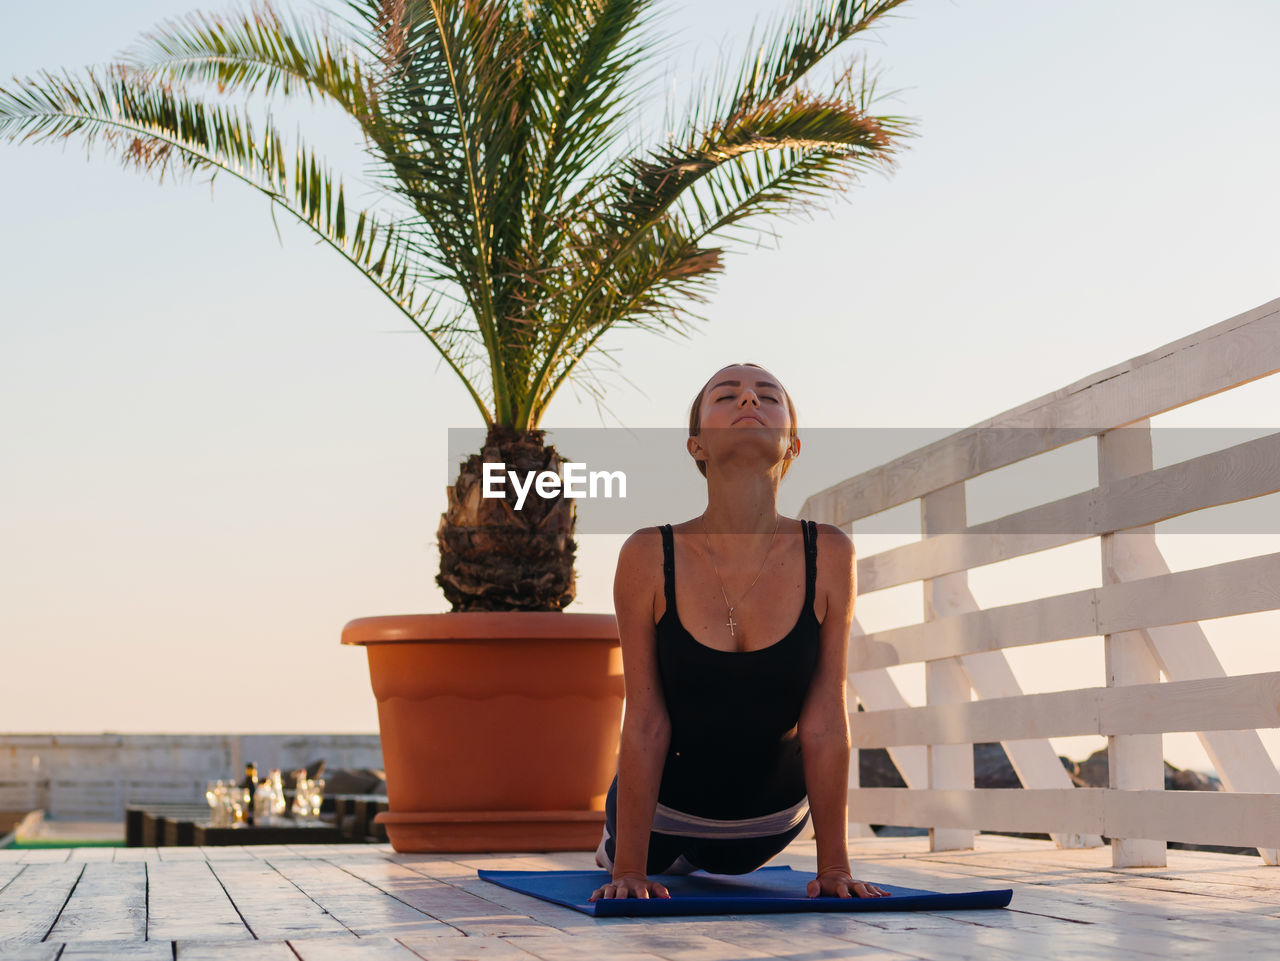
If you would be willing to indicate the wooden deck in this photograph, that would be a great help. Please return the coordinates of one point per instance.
(367, 903)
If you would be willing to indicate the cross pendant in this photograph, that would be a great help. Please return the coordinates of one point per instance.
(732, 623)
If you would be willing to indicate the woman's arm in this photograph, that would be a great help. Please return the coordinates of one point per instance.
(824, 722)
(646, 727)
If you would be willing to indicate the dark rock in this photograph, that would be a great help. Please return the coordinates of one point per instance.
(1093, 771)
(876, 769)
(991, 767)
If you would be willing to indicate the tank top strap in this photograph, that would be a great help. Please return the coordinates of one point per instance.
(668, 567)
(810, 562)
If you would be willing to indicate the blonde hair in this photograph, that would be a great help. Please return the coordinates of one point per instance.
(695, 418)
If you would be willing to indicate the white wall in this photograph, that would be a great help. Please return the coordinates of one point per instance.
(91, 777)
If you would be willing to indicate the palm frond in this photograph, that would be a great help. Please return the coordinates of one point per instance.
(450, 133)
(762, 155)
(151, 128)
(496, 126)
(790, 50)
(254, 51)
(583, 54)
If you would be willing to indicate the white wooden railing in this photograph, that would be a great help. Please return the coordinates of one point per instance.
(1146, 616)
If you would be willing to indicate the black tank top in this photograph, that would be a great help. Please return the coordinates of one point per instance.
(735, 750)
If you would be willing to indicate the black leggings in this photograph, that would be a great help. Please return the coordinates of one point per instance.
(714, 855)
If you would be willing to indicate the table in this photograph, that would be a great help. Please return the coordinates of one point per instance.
(285, 832)
(169, 824)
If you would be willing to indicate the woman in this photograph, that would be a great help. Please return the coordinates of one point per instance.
(736, 729)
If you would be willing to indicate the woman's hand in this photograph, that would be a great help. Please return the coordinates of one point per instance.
(630, 886)
(840, 884)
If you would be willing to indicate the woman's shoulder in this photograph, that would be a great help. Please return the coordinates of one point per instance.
(829, 535)
(641, 545)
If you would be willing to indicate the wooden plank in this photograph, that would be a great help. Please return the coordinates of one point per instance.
(364, 949)
(642, 941)
(31, 952)
(182, 854)
(8, 872)
(1078, 894)
(228, 853)
(1112, 905)
(945, 682)
(439, 899)
(566, 947)
(271, 906)
(188, 903)
(1038, 621)
(233, 951)
(118, 951)
(1201, 817)
(1227, 354)
(44, 856)
(361, 950)
(31, 902)
(1135, 761)
(135, 855)
(360, 906)
(1219, 590)
(936, 939)
(1089, 940)
(775, 941)
(1052, 526)
(524, 915)
(478, 948)
(1241, 472)
(109, 904)
(1244, 586)
(91, 855)
(1245, 701)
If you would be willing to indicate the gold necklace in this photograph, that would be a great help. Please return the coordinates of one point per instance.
(731, 623)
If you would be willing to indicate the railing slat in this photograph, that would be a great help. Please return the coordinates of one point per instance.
(1242, 702)
(1206, 362)
(1198, 817)
(1241, 472)
(1244, 586)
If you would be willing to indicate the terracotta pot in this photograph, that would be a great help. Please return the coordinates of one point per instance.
(499, 730)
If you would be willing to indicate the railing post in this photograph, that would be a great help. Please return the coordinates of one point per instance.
(857, 829)
(1135, 762)
(945, 681)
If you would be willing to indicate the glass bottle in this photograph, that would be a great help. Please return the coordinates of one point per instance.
(250, 782)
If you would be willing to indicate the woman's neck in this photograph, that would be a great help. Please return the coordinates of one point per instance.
(741, 503)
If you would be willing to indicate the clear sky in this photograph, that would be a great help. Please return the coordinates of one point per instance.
(220, 447)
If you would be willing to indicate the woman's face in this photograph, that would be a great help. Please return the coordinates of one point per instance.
(744, 410)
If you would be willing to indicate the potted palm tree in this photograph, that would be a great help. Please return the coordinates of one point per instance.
(517, 230)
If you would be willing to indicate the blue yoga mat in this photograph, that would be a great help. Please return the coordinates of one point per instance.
(766, 891)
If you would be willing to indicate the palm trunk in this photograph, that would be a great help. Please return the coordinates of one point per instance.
(494, 557)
